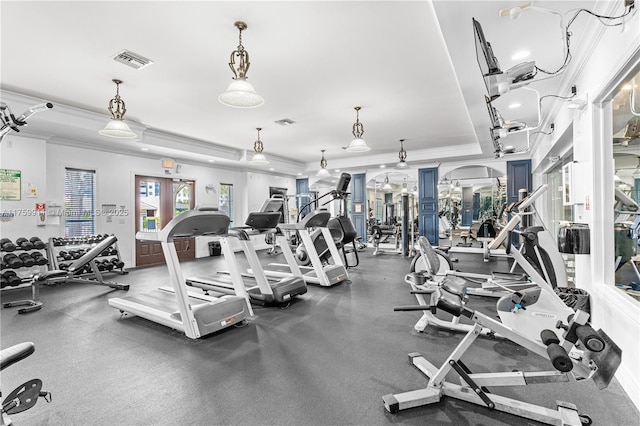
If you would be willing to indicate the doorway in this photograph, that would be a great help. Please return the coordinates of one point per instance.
(158, 200)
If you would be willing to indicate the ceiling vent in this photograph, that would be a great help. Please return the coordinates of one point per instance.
(132, 60)
(285, 122)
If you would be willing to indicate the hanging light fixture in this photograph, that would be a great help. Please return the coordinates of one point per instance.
(240, 93)
(323, 172)
(402, 155)
(258, 157)
(404, 186)
(387, 186)
(116, 128)
(358, 144)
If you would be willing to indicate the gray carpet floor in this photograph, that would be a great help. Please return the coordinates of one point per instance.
(327, 359)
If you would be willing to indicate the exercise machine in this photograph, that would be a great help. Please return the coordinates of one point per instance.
(538, 255)
(26, 395)
(340, 227)
(574, 348)
(260, 289)
(193, 313)
(324, 273)
(73, 274)
(9, 122)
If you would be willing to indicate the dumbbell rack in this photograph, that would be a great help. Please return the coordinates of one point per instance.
(24, 273)
(80, 245)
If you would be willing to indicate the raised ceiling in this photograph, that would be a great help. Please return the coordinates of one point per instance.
(410, 65)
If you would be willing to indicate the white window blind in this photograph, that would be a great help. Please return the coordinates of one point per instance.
(79, 202)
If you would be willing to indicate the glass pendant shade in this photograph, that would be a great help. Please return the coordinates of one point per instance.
(117, 129)
(259, 159)
(402, 165)
(241, 94)
(358, 145)
(323, 173)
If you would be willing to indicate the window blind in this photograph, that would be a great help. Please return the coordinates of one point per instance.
(79, 203)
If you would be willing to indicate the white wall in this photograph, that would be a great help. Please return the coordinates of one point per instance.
(612, 311)
(28, 156)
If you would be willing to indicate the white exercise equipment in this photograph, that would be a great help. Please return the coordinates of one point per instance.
(192, 313)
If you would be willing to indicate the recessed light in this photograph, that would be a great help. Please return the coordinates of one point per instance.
(211, 161)
(521, 54)
(515, 105)
(144, 149)
(337, 170)
(271, 169)
(627, 86)
(382, 166)
(299, 174)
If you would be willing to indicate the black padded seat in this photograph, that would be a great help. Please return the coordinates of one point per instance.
(450, 303)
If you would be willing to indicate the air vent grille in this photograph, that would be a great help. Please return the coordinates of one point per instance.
(132, 60)
(285, 122)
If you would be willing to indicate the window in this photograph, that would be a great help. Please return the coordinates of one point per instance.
(79, 202)
(226, 199)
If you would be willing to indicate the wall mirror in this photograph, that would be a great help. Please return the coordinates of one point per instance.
(468, 196)
(626, 156)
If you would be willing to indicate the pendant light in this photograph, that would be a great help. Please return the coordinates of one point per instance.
(387, 186)
(258, 157)
(404, 186)
(116, 127)
(240, 93)
(323, 172)
(402, 155)
(358, 144)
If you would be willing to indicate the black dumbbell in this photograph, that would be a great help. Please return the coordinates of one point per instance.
(108, 265)
(11, 278)
(117, 263)
(7, 245)
(39, 258)
(75, 254)
(24, 244)
(65, 255)
(37, 243)
(12, 261)
(63, 266)
(27, 260)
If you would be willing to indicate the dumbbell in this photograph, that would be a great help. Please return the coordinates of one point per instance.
(37, 243)
(65, 255)
(108, 265)
(7, 245)
(39, 258)
(63, 266)
(11, 278)
(117, 263)
(27, 260)
(24, 244)
(12, 261)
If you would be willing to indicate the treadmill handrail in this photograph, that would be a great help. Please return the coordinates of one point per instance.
(191, 223)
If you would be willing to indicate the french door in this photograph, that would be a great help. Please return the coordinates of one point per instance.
(158, 200)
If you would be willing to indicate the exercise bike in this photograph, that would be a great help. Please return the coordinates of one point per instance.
(26, 395)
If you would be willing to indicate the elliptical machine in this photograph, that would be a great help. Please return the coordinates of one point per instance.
(340, 227)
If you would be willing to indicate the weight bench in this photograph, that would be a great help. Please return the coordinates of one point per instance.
(71, 275)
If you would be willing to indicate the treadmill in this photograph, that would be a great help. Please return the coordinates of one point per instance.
(324, 275)
(192, 313)
(261, 290)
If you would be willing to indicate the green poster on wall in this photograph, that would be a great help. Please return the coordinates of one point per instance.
(10, 187)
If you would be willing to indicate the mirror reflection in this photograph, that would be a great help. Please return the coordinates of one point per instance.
(384, 197)
(468, 197)
(626, 155)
